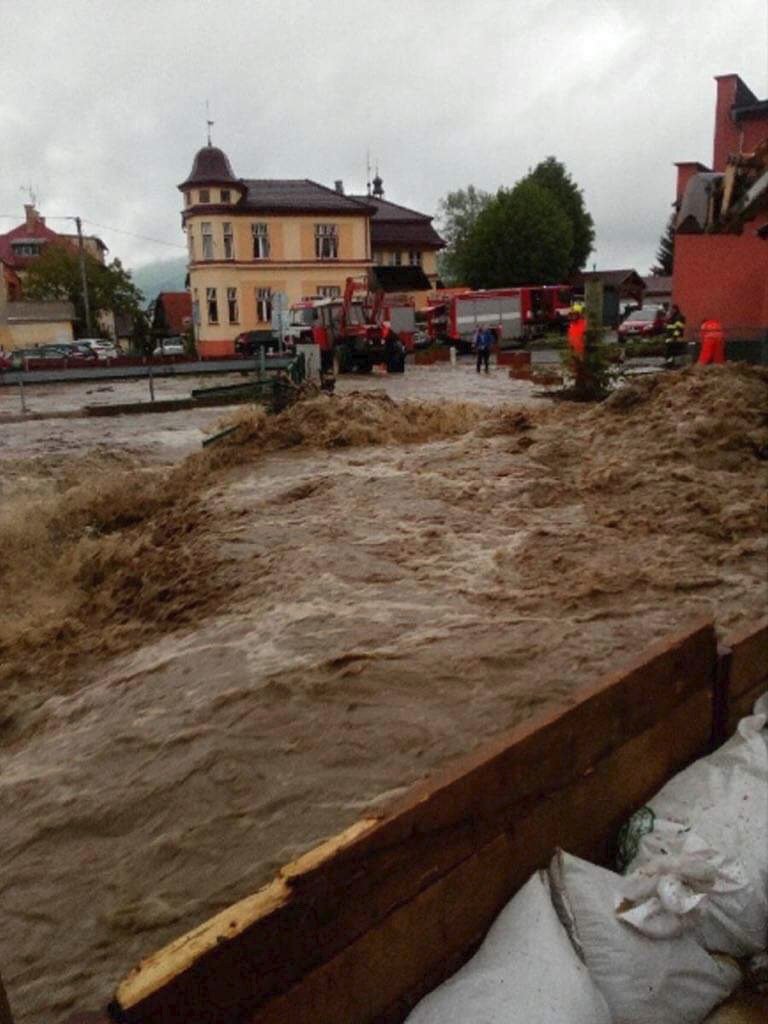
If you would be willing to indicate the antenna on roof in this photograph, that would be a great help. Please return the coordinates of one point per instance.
(29, 189)
(368, 171)
(208, 120)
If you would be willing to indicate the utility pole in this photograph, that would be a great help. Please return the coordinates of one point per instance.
(83, 277)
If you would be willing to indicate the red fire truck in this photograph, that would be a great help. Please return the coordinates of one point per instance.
(515, 314)
(347, 328)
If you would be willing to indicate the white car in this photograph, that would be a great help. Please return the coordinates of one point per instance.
(104, 349)
(169, 347)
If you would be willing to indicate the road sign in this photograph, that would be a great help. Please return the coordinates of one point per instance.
(280, 317)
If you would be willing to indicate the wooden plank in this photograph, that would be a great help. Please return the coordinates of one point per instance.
(5, 1009)
(341, 892)
(749, 657)
(382, 975)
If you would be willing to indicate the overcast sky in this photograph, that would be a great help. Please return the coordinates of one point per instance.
(102, 102)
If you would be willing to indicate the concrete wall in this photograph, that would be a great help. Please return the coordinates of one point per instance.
(16, 335)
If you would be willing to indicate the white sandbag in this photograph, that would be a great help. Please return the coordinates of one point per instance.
(723, 800)
(526, 972)
(644, 980)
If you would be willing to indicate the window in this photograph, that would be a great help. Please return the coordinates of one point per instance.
(25, 248)
(378, 258)
(326, 242)
(195, 307)
(260, 234)
(213, 306)
(232, 309)
(414, 257)
(395, 259)
(191, 245)
(205, 195)
(329, 291)
(229, 242)
(188, 198)
(264, 305)
(225, 193)
(207, 241)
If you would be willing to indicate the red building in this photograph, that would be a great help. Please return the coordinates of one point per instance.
(721, 244)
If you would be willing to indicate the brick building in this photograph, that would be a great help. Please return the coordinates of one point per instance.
(721, 244)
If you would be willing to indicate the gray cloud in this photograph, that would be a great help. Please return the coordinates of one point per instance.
(102, 104)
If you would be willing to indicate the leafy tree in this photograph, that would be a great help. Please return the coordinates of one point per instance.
(552, 175)
(457, 214)
(665, 254)
(56, 275)
(522, 236)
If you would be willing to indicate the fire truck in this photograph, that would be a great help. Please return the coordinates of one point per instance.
(348, 328)
(515, 314)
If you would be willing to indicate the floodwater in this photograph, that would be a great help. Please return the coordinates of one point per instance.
(393, 583)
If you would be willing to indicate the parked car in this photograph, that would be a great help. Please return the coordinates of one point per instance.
(250, 342)
(79, 351)
(642, 323)
(169, 347)
(104, 349)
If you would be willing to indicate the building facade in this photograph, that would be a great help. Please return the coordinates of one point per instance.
(251, 239)
(721, 241)
(401, 237)
(25, 324)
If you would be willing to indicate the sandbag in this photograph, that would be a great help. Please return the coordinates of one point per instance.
(720, 802)
(526, 972)
(644, 980)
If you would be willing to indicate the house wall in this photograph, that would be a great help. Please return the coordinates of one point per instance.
(733, 136)
(725, 277)
(291, 267)
(28, 335)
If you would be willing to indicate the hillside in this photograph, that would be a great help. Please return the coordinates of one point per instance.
(161, 276)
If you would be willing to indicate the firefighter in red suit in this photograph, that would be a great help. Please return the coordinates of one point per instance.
(712, 342)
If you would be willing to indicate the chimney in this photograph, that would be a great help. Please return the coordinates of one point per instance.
(339, 186)
(30, 214)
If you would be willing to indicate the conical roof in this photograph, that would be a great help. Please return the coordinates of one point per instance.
(211, 165)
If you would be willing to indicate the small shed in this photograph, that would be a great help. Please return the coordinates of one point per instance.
(620, 287)
(658, 289)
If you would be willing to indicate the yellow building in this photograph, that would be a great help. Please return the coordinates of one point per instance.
(401, 237)
(249, 239)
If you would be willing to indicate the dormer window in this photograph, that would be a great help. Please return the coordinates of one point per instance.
(205, 195)
(225, 195)
(26, 248)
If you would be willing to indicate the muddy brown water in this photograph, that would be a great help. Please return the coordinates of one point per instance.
(389, 607)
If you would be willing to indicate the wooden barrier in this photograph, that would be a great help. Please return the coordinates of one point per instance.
(359, 929)
(745, 675)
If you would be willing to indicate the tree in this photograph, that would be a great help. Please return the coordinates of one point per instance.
(457, 214)
(522, 236)
(665, 254)
(553, 175)
(56, 275)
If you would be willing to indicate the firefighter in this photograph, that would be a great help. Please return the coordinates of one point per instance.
(675, 329)
(394, 350)
(577, 327)
(712, 342)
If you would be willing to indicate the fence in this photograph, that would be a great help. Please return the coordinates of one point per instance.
(360, 928)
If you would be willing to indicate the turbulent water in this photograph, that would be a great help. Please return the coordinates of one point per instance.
(261, 642)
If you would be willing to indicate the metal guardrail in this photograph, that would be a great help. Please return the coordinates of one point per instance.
(191, 368)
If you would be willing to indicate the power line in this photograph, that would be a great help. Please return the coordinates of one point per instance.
(104, 227)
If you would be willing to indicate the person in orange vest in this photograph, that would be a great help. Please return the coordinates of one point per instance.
(712, 342)
(577, 326)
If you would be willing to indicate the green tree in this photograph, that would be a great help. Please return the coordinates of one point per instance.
(56, 275)
(665, 254)
(522, 236)
(553, 175)
(457, 214)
